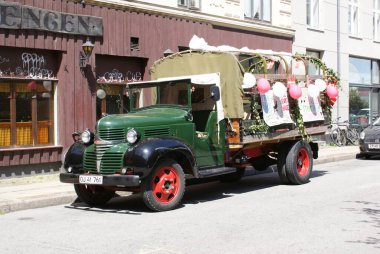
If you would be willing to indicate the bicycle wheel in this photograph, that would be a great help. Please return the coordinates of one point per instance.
(353, 136)
(337, 137)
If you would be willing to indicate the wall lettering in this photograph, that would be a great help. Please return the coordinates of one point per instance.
(16, 16)
(115, 76)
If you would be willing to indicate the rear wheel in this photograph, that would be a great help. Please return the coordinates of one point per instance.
(299, 163)
(281, 162)
(92, 194)
(164, 187)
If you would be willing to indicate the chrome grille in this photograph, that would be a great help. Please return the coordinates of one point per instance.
(157, 132)
(100, 149)
(89, 161)
(111, 163)
(112, 134)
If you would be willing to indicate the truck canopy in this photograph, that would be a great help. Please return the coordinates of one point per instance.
(190, 63)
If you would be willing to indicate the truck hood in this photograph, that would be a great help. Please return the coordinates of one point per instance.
(144, 118)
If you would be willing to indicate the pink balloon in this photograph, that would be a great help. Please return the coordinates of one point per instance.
(295, 91)
(263, 85)
(332, 91)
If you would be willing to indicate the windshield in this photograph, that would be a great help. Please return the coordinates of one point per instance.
(171, 93)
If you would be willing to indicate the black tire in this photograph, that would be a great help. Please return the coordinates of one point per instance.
(233, 177)
(299, 163)
(93, 195)
(281, 162)
(163, 189)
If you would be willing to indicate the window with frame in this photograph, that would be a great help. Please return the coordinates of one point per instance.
(116, 100)
(26, 113)
(258, 10)
(311, 68)
(191, 4)
(364, 83)
(376, 20)
(312, 16)
(353, 17)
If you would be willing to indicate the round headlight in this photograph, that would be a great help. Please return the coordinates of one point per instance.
(362, 135)
(132, 136)
(86, 136)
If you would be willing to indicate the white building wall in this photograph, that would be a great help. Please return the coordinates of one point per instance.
(324, 39)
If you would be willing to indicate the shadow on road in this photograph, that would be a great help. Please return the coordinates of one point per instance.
(195, 193)
(372, 211)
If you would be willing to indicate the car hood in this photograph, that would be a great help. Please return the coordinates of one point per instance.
(143, 118)
(372, 132)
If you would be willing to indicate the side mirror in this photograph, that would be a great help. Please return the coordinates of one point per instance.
(215, 93)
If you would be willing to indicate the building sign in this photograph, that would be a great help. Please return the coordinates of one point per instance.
(16, 16)
(310, 107)
(275, 109)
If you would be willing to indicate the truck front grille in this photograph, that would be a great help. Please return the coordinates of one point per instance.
(111, 163)
(89, 161)
(112, 134)
(157, 132)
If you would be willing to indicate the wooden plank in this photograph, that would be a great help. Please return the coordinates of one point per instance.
(4, 158)
(15, 158)
(276, 137)
(45, 156)
(10, 38)
(24, 157)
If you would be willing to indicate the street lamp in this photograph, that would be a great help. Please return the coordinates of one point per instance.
(84, 55)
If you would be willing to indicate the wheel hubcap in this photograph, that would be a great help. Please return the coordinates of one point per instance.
(303, 162)
(165, 184)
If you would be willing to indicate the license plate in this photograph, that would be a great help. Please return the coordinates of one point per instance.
(86, 179)
(374, 146)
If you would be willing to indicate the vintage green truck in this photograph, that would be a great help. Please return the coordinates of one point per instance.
(193, 120)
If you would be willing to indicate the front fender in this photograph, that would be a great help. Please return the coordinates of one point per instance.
(74, 156)
(146, 154)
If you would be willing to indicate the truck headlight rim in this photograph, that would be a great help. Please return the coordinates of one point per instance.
(132, 136)
(362, 135)
(86, 136)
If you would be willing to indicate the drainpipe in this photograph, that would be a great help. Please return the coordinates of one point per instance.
(338, 46)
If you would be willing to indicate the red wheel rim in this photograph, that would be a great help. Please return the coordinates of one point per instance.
(165, 184)
(303, 162)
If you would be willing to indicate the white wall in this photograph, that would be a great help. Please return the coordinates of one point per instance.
(325, 39)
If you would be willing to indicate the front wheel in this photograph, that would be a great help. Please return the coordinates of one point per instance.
(92, 194)
(164, 187)
(299, 163)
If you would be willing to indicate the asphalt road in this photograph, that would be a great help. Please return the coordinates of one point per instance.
(337, 212)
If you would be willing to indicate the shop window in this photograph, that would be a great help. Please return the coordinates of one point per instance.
(364, 90)
(26, 113)
(311, 68)
(312, 16)
(360, 71)
(114, 99)
(359, 105)
(353, 17)
(258, 10)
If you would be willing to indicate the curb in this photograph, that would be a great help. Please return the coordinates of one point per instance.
(36, 203)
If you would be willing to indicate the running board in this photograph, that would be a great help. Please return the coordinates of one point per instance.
(209, 172)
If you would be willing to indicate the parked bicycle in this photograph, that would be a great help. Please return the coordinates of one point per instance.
(343, 133)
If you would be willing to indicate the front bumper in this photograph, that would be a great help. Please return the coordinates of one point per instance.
(108, 180)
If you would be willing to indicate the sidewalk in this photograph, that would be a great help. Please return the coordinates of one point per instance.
(46, 190)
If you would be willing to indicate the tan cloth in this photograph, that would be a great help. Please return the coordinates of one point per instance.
(194, 63)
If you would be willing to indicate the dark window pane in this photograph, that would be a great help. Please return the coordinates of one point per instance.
(5, 115)
(359, 105)
(45, 113)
